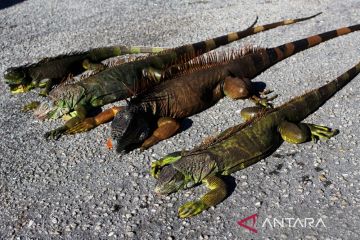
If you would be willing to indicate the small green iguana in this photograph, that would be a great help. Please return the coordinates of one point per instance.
(153, 115)
(127, 79)
(243, 145)
(55, 69)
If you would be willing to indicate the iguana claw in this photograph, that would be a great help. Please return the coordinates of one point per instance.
(321, 132)
(155, 169)
(55, 134)
(190, 209)
(263, 100)
(30, 106)
(84, 126)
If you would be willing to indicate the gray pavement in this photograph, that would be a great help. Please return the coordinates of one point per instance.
(75, 188)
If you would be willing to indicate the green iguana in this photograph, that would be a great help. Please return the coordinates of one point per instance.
(24, 78)
(153, 115)
(243, 145)
(127, 79)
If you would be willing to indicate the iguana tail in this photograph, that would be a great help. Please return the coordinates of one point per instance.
(187, 52)
(99, 54)
(300, 107)
(281, 52)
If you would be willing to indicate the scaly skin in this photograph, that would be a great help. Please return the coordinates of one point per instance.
(243, 145)
(195, 91)
(123, 81)
(24, 78)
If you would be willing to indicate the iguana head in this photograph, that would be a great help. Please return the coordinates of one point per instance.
(129, 127)
(169, 180)
(64, 100)
(18, 80)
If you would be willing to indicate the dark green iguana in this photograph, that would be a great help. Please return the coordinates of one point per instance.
(125, 80)
(153, 115)
(243, 145)
(24, 78)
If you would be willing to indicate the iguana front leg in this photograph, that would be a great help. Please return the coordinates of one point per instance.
(250, 112)
(81, 112)
(218, 192)
(92, 122)
(86, 64)
(167, 127)
(303, 132)
(158, 165)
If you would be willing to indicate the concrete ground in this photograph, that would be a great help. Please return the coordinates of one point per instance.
(74, 188)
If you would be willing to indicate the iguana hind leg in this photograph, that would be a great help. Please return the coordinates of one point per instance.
(167, 127)
(218, 192)
(92, 122)
(241, 88)
(303, 132)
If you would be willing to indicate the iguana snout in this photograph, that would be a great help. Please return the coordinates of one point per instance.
(129, 127)
(170, 180)
(16, 79)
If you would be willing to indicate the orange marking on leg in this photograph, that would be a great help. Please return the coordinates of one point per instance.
(314, 40)
(167, 127)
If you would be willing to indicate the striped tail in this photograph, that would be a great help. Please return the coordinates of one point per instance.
(281, 52)
(187, 52)
(99, 54)
(300, 107)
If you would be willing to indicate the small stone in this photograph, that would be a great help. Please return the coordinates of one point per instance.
(322, 178)
(128, 215)
(31, 222)
(130, 234)
(257, 204)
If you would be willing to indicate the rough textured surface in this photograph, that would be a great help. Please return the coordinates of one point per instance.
(75, 188)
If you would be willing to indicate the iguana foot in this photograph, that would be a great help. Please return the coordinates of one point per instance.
(84, 126)
(30, 106)
(55, 134)
(155, 168)
(191, 209)
(263, 100)
(321, 132)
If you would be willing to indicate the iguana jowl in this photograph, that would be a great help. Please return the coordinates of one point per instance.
(123, 81)
(243, 145)
(54, 69)
(195, 91)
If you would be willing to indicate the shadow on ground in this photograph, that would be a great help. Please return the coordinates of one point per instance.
(8, 3)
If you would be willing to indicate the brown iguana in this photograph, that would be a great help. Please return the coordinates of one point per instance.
(125, 80)
(194, 91)
(54, 69)
(243, 145)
